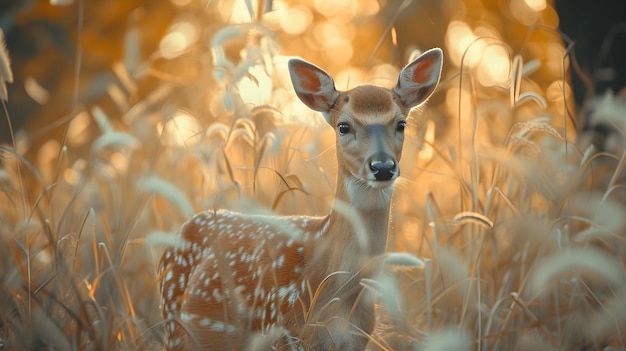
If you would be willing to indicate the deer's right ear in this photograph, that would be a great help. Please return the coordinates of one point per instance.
(313, 86)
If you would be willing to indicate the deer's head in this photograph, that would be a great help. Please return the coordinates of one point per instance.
(369, 121)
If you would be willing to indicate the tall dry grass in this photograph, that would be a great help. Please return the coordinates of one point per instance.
(519, 231)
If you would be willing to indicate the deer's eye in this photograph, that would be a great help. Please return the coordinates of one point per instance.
(400, 127)
(343, 128)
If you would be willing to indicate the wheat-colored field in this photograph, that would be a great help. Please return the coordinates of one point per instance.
(520, 227)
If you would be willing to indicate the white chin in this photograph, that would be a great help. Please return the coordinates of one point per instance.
(380, 183)
(369, 194)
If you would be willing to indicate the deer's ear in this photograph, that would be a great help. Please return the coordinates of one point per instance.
(313, 86)
(418, 80)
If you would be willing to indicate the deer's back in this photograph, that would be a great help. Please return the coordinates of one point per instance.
(232, 274)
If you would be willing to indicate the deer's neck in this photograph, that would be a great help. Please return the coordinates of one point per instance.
(356, 228)
(367, 219)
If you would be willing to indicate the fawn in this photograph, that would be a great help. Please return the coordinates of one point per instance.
(234, 274)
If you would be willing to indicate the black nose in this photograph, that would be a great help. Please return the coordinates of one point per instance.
(383, 170)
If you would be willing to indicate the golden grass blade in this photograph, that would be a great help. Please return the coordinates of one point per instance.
(523, 142)
(5, 64)
(6, 75)
(292, 184)
(530, 67)
(538, 125)
(590, 151)
(318, 291)
(531, 96)
(472, 217)
(516, 79)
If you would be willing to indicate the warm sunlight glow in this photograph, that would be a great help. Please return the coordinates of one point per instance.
(365, 8)
(335, 8)
(429, 139)
(411, 230)
(524, 11)
(43, 257)
(296, 20)
(494, 66)
(338, 50)
(72, 175)
(256, 87)
(334, 40)
(77, 132)
(554, 54)
(237, 11)
(385, 75)
(36, 91)
(536, 5)
(181, 36)
(453, 100)
(181, 2)
(557, 92)
(459, 37)
(47, 157)
(119, 161)
(182, 129)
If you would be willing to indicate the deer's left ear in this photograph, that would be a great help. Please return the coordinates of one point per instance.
(313, 85)
(418, 80)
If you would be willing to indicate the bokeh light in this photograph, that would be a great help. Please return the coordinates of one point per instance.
(181, 35)
(536, 5)
(459, 37)
(237, 11)
(295, 20)
(77, 132)
(256, 87)
(494, 67)
(181, 2)
(181, 130)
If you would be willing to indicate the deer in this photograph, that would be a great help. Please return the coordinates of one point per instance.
(234, 276)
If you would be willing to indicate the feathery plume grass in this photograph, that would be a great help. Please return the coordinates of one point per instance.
(588, 261)
(6, 75)
(448, 339)
(404, 259)
(155, 184)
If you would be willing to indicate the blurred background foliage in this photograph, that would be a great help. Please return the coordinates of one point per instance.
(129, 116)
(49, 45)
